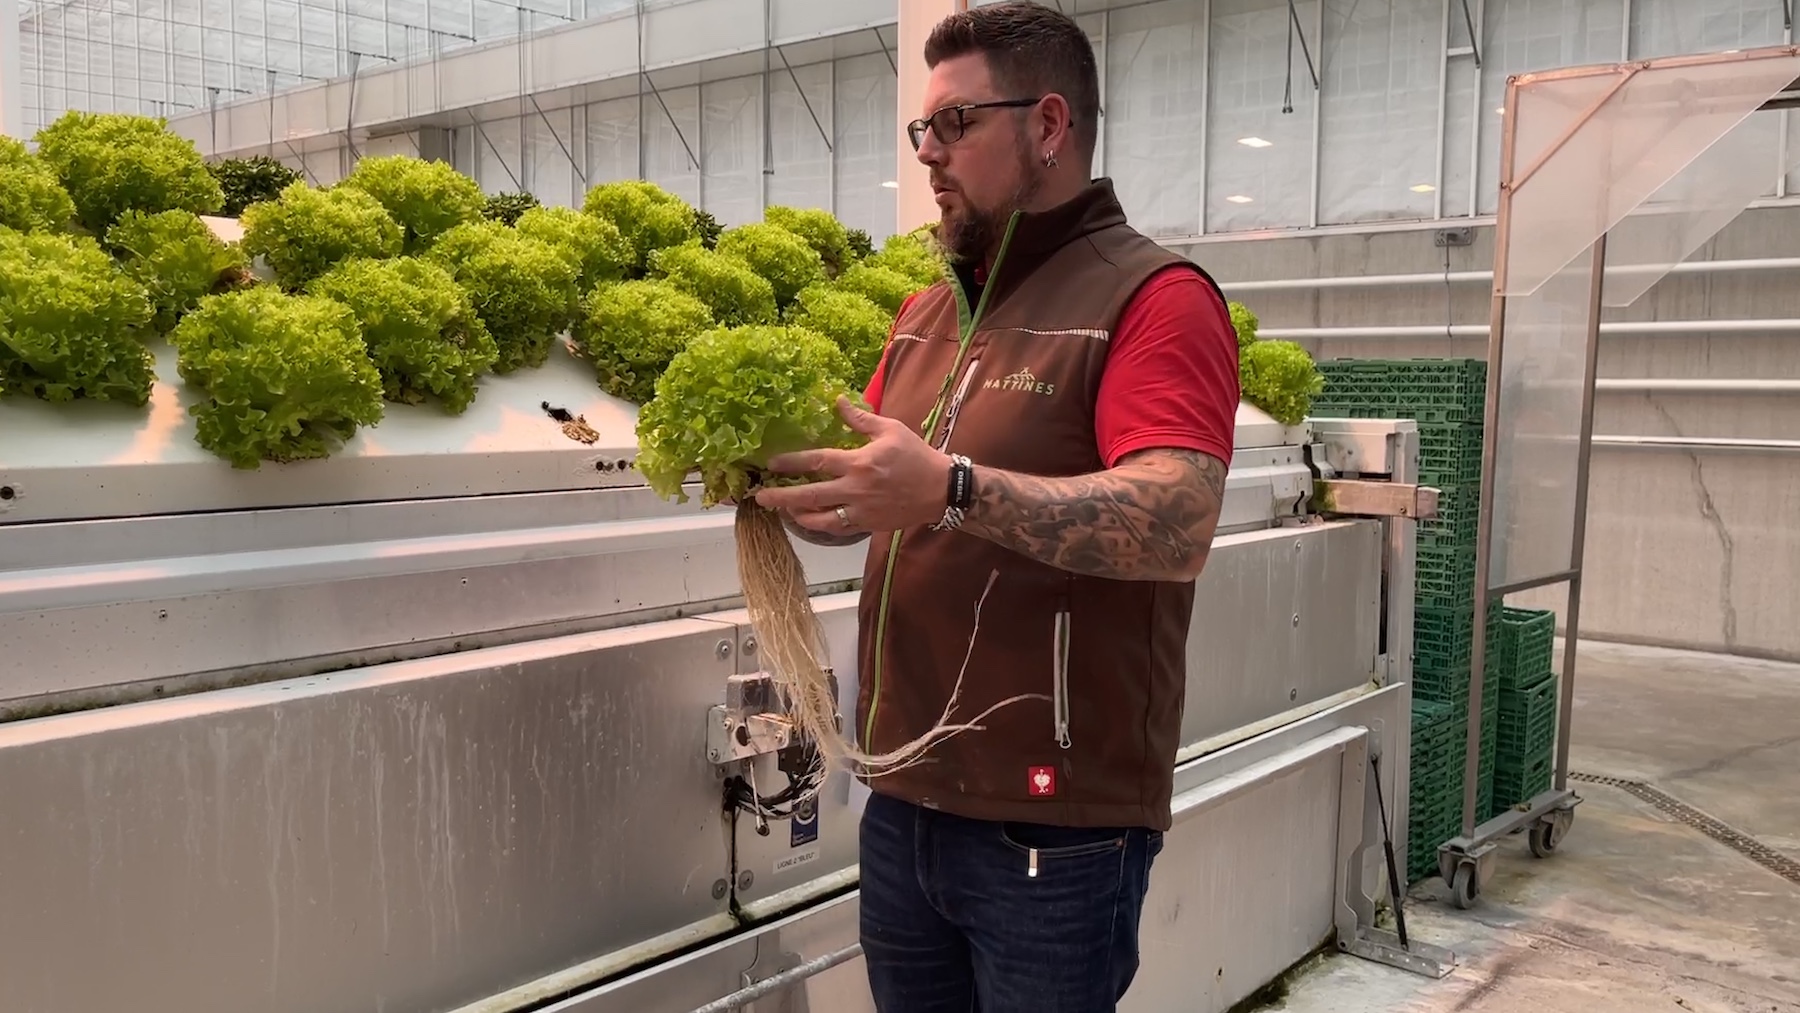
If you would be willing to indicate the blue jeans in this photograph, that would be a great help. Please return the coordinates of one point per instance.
(955, 921)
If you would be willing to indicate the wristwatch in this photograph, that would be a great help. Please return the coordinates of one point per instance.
(961, 494)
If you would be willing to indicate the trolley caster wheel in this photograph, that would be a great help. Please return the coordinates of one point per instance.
(1465, 887)
(1546, 834)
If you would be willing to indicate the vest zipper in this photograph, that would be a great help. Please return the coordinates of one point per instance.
(1059, 662)
(967, 320)
(956, 402)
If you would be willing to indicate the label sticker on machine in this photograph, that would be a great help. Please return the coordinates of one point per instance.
(796, 860)
(803, 829)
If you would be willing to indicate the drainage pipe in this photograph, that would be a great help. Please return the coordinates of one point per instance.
(1232, 288)
(1428, 332)
(1717, 443)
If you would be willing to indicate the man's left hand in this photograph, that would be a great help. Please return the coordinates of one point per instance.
(893, 482)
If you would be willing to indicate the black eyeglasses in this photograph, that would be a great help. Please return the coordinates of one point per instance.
(947, 124)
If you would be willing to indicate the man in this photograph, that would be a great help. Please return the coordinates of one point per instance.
(1046, 460)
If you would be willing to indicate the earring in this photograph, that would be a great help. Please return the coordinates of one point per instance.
(1049, 159)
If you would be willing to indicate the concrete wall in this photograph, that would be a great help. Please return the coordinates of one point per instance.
(1693, 549)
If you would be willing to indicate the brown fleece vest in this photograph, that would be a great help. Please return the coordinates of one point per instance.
(1108, 654)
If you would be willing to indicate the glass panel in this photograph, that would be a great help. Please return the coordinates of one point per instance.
(1378, 117)
(1602, 144)
(1155, 113)
(1655, 123)
(732, 149)
(800, 122)
(1260, 132)
(1537, 434)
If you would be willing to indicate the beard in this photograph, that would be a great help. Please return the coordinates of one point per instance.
(970, 234)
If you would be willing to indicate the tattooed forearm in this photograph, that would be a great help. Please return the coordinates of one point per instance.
(1150, 518)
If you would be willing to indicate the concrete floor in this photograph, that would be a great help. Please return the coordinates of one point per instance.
(1635, 912)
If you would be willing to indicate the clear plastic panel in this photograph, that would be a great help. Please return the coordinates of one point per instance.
(1537, 439)
(1592, 147)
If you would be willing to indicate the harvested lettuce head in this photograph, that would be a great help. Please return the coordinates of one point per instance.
(733, 398)
(1279, 377)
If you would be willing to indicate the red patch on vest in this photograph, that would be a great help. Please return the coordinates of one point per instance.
(1041, 781)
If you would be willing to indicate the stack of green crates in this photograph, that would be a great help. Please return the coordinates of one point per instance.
(1525, 687)
(1447, 398)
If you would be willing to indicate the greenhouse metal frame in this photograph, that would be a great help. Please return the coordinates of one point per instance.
(1611, 175)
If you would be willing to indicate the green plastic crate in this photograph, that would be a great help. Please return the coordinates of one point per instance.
(1458, 517)
(1429, 390)
(1527, 721)
(1444, 638)
(1521, 782)
(1527, 646)
(1449, 454)
(1443, 576)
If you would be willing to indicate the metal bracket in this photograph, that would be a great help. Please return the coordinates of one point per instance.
(1460, 236)
(1383, 947)
(1375, 499)
(753, 721)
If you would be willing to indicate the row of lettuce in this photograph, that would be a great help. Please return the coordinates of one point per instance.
(405, 283)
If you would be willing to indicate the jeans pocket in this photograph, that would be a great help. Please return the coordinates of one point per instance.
(1049, 843)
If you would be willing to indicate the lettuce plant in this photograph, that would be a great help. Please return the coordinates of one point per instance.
(632, 329)
(286, 377)
(649, 217)
(1280, 378)
(883, 286)
(420, 328)
(729, 286)
(784, 259)
(31, 197)
(426, 198)
(177, 259)
(594, 246)
(71, 323)
(112, 163)
(858, 327)
(821, 230)
(247, 181)
(306, 231)
(522, 288)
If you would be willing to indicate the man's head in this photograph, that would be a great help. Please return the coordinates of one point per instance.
(1034, 151)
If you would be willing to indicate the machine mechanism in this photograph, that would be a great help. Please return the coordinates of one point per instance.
(465, 719)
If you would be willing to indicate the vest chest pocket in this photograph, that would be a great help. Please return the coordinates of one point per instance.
(1004, 413)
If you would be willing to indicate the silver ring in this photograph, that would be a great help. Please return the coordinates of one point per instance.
(843, 516)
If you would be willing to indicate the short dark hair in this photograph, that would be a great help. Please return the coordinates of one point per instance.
(1032, 50)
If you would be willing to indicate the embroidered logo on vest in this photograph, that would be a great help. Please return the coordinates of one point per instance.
(1024, 380)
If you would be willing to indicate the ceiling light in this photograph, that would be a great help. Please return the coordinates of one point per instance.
(1423, 188)
(890, 184)
(1255, 142)
(1238, 198)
